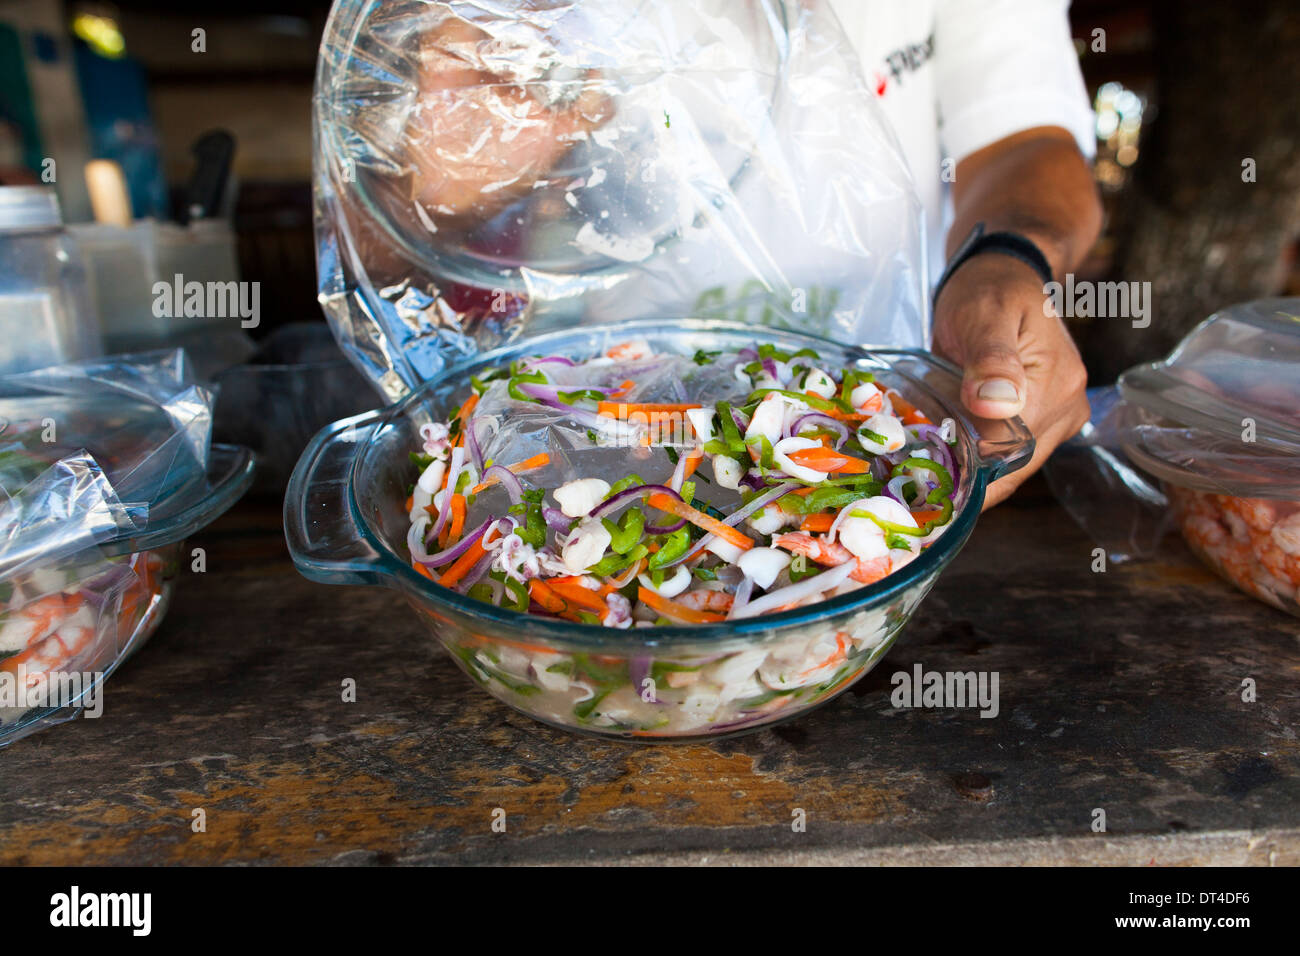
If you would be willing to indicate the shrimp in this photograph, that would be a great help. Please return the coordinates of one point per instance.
(831, 555)
(629, 351)
(1256, 512)
(707, 600)
(54, 631)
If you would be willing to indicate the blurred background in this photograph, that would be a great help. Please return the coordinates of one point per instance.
(206, 114)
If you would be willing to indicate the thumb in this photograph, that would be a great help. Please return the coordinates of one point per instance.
(994, 384)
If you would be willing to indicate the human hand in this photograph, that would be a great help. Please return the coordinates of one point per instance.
(995, 321)
(476, 140)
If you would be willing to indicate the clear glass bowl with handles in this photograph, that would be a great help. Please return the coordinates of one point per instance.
(347, 520)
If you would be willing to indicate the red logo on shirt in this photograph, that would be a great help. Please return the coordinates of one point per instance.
(906, 59)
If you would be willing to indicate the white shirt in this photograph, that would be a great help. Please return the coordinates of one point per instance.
(837, 226)
(954, 76)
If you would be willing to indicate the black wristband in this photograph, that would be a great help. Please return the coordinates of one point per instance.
(1008, 243)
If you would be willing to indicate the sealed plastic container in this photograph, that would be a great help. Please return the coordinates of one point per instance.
(45, 312)
(1218, 423)
(106, 467)
(346, 523)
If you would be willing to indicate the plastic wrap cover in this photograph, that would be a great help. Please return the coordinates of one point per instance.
(495, 169)
(87, 449)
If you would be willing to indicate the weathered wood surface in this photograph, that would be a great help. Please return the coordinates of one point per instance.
(1119, 691)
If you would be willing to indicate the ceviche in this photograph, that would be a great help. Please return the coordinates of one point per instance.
(668, 489)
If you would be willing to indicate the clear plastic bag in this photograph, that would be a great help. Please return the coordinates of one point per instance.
(486, 171)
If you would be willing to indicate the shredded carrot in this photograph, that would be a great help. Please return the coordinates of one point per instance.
(426, 572)
(699, 518)
(540, 460)
(457, 522)
(540, 592)
(817, 523)
(463, 415)
(909, 413)
(826, 459)
(410, 502)
(670, 608)
(623, 389)
(692, 462)
(463, 564)
(623, 409)
(576, 594)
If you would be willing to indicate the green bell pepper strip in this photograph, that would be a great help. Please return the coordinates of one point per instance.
(534, 529)
(525, 378)
(612, 564)
(623, 484)
(730, 434)
(625, 535)
(673, 548)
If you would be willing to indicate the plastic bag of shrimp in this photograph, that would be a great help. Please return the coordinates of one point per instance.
(1208, 440)
(490, 171)
(105, 466)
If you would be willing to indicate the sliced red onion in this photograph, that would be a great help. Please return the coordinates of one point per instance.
(556, 519)
(611, 505)
(769, 366)
(747, 355)
(679, 474)
(625, 576)
(799, 593)
(737, 416)
(509, 480)
(471, 444)
(934, 435)
(475, 573)
(761, 501)
(743, 591)
(894, 489)
(753, 480)
(504, 527)
(638, 672)
(665, 528)
(453, 552)
(547, 360)
(545, 394)
(823, 421)
(453, 472)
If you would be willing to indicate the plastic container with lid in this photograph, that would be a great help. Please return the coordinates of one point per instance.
(45, 313)
(1208, 438)
(1218, 422)
(105, 467)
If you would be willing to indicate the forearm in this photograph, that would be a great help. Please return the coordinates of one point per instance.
(1036, 183)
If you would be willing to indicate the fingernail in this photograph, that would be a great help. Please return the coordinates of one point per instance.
(1000, 390)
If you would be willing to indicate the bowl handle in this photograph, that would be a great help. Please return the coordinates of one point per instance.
(1004, 445)
(324, 540)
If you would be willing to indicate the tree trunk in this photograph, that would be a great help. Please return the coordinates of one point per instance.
(1191, 220)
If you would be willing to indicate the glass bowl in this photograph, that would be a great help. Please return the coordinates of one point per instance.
(346, 524)
(99, 606)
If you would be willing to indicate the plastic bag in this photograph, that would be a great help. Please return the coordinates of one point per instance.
(486, 171)
(104, 467)
(149, 426)
(1208, 440)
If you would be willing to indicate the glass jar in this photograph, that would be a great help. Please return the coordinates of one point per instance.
(45, 315)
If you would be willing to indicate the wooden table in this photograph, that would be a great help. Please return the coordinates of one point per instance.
(1119, 691)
